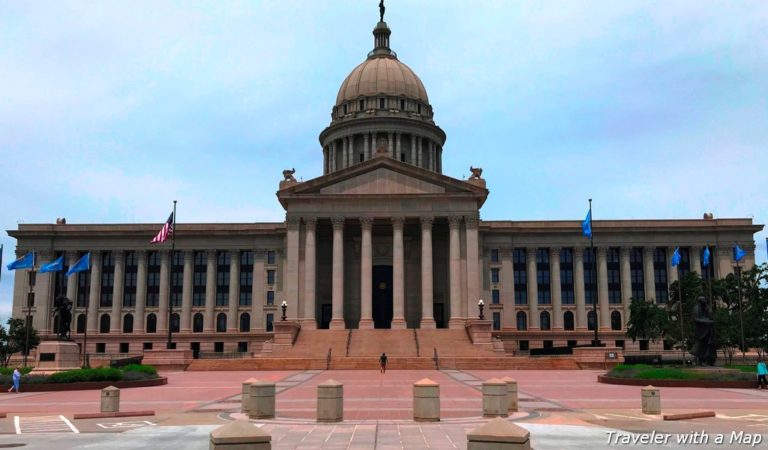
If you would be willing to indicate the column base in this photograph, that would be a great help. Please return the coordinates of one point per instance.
(308, 324)
(457, 324)
(366, 324)
(337, 324)
(398, 323)
(427, 324)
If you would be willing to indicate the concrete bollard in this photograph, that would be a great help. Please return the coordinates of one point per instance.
(246, 393)
(499, 434)
(426, 401)
(261, 401)
(240, 435)
(110, 399)
(330, 401)
(494, 398)
(650, 399)
(511, 393)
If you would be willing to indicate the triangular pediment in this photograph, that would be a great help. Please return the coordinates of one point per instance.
(382, 181)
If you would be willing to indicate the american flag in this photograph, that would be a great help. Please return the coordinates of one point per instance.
(165, 232)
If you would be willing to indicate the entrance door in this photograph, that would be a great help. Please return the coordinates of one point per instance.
(439, 313)
(382, 296)
(325, 316)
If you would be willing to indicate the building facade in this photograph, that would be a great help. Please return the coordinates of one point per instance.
(383, 239)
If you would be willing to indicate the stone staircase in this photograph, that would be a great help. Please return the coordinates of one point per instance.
(315, 344)
(395, 343)
(449, 343)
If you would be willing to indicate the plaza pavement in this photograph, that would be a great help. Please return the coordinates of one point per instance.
(561, 409)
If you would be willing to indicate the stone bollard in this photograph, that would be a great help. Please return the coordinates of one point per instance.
(651, 400)
(499, 434)
(330, 401)
(110, 399)
(494, 398)
(511, 393)
(246, 393)
(426, 401)
(239, 435)
(261, 401)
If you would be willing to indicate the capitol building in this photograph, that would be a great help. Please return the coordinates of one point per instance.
(383, 239)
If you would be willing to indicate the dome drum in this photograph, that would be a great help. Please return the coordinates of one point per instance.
(382, 105)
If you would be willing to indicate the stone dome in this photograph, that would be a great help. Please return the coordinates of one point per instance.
(379, 75)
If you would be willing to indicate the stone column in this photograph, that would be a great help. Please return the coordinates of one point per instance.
(72, 286)
(93, 297)
(397, 147)
(671, 270)
(391, 144)
(333, 157)
(473, 264)
(292, 266)
(257, 290)
(578, 280)
(724, 264)
(308, 319)
(42, 319)
(413, 149)
(344, 152)
(141, 290)
(694, 253)
(186, 295)
(626, 282)
(210, 293)
(116, 324)
(337, 299)
(507, 288)
(233, 321)
(165, 274)
(648, 274)
(398, 274)
(454, 271)
(366, 271)
(367, 146)
(419, 156)
(555, 287)
(533, 289)
(427, 314)
(602, 290)
(432, 161)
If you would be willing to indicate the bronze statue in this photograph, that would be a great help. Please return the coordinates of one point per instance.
(63, 313)
(381, 10)
(704, 347)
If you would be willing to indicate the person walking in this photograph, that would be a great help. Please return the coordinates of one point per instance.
(16, 380)
(383, 362)
(762, 371)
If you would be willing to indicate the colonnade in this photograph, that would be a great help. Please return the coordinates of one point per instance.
(422, 151)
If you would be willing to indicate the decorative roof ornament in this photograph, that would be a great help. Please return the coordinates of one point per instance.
(381, 10)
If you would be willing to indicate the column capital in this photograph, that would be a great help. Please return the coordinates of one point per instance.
(338, 222)
(259, 253)
(530, 252)
(554, 253)
(426, 222)
(602, 252)
(472, 220)
(292, 223)
(211, 254)
(626, 249)
(398, 222)
(118, 253)
(366, 223)
(310, 222)
(648, 251)
(454, 221)
(189, 255)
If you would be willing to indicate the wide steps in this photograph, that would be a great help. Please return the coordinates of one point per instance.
(315, 344)
(449, 343)
(375, 342)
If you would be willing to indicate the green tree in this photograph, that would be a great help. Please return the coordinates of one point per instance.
(690, 287)
(14, 340)
(646, 320)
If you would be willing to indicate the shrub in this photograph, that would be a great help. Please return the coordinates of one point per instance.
(9, 370)
(140, 368)
(80, 375)
(136, 376)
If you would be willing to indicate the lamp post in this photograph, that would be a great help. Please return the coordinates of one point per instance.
(480, 306)
(284, 307)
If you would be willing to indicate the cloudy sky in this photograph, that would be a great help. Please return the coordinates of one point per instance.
(109, 110)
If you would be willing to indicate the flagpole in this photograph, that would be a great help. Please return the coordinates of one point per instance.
(27, 320)
(741, 313)
(596, 341)
(709, 284)
(169, 345)
(680, 308)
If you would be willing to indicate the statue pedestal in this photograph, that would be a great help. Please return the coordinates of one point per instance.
(56, 356)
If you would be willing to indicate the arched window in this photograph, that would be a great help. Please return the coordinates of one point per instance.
(197, 323)
(221, 323)
(522, 321)
(104, 323)
(615, 320)
(175, 323)
(128, 323)
(591, 320)
(81, 323)
(245, 322)
(568, 320)
(151, 323)
(544, 321)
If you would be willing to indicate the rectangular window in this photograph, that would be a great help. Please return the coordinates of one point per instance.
(153, 279)
(271, 257)
(496, 320)
(30, 300)
(521, 277)
(246, 277)
(60, 278)
(270, 298)
(107, 279)
(361, 105)
(222, 278)
(177, 278)
(242, 347)
(636, 273)
(495, 298)
(660, 274)
(218, 347)
(614, 275)
(685, 261)
(495, 276)
(566, 276)
(101, 347)
(494, 255)
(129, 279)
(590, 277)
(199, 278)
(381, 103)
(83, 287)
(708, 271)
(147, 346)
(270, 322)
(542, 276)
(270, 277)
(124, 347)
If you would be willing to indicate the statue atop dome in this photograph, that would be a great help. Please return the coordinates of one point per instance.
(381, 10)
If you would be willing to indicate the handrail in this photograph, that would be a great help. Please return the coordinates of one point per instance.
(349, 340)
(328, 360)
(416, 338)
(437, 362)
